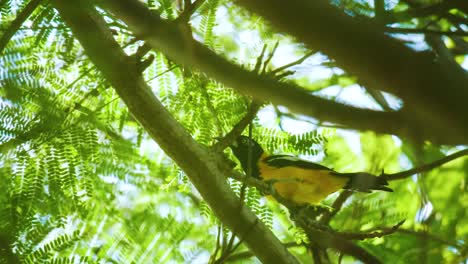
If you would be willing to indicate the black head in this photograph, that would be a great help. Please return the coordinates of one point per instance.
(240, 148)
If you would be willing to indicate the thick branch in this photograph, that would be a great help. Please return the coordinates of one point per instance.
(180, 47)
(16, 24)
(378, 60)
(379, 8)
(436, 9)
(197, 162)
(7, 252)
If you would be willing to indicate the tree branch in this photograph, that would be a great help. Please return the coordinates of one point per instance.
(7, 251)
(16, 24)
(425, 31)
(189, 9)
(296, 62)
(436, 9)
(425, 167)
(200, 165)
(371, 234)
(171, 40)
(337, 204)
(237, 129)
(378, 60)
(430, 236)
(379, 8)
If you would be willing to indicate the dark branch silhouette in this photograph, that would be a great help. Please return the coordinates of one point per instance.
(16, 24)
(175, 43)
(425, 167)
(378, 232)
(379, 61)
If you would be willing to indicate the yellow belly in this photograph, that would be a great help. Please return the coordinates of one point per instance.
(303, 186)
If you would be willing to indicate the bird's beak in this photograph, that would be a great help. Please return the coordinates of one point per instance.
(234, 144)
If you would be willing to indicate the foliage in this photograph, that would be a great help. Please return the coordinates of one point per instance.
(83, 183)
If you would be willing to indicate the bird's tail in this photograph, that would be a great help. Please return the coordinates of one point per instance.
(365, 182)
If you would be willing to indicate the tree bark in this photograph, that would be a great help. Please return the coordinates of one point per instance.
(430, 89)
(430, 121)
(200, 165)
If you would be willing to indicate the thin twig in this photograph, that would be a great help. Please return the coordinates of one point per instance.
(371, 234)
(268, 59)
(244, 122)
(249, 169)
(337, 204)
(280, 114)
(296, 62)
(258, 65)
(227, 254)
(84, 74)
(162, 73)
(379, 98)
(237, 129)
(16, 24)
(379, 8)
(425, 31)
(218, 244)
(316, 252)
(425, 167)
(230, 248)
(189, 9)
(211, 108)
(435, 238)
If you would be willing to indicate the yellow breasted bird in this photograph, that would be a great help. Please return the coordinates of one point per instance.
(301, 181)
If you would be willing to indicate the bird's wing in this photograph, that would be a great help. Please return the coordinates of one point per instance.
(280, 161)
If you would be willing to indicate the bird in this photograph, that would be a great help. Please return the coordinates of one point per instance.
(300, 181)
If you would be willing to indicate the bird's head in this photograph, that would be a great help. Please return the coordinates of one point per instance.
(240, 148)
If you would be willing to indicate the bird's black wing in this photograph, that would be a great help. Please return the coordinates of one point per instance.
(359, 181)
(280, 161)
